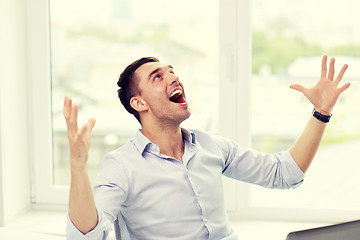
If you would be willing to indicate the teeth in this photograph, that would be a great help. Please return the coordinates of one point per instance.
(175, 93)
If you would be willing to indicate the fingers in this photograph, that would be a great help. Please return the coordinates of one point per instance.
(341, 74)
(83, 131)
(90, 124)
(324, 67)
(72, 124)
(331, 69)
(87, 128)
(70, 113)
(67, 108)
(298, 87)
(343, 88)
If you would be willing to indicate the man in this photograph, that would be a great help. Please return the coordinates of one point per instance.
(166, 182)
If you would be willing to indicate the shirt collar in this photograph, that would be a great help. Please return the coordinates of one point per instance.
(188, 135)
(141, 142)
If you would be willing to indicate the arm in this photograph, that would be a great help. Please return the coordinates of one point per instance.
(82, 210)
(323, 96)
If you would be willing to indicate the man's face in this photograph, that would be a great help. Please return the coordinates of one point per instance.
(162, 91)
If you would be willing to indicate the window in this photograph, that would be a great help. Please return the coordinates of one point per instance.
(214, 50)
(287, 48)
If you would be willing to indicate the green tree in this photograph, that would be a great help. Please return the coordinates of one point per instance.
(278, 52)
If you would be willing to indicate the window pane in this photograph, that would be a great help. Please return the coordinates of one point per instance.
(93, 41)
(289, 39)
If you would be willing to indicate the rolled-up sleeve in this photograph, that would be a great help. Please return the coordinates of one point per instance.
(277, 170)
(101, 231)
(291, 171)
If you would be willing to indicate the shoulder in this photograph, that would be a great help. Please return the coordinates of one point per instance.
(120, 158)
(115, 166)
(212, 141)
(123, 151)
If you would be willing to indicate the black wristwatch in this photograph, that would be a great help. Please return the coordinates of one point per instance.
(321, 117)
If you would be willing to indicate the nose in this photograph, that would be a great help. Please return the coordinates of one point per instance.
(173, 79)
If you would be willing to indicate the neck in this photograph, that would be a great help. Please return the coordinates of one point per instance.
(168, 138)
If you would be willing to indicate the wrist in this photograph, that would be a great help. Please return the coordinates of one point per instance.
(326, 112)
(78, 168)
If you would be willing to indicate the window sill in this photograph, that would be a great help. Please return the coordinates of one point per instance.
(51, 225)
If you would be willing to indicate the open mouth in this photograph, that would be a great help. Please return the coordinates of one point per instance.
(177, 97)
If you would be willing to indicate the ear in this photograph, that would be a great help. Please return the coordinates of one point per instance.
(138, 103)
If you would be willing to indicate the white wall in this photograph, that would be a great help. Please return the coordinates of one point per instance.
(14, 158)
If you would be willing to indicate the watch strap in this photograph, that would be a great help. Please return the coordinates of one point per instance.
(321, 117)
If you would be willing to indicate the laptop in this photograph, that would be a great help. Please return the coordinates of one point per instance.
(341, 231)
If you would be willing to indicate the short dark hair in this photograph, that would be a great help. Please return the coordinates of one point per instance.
(126, 84)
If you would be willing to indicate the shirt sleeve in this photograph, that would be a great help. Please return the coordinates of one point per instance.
(101, 231)
(277, 170)
(111, 186)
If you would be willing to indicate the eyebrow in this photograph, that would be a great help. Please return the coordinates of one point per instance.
(157, 70)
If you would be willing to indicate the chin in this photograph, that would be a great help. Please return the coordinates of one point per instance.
(185, 116)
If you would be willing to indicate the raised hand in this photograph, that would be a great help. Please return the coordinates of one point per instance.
(79, 139)
(326, 92)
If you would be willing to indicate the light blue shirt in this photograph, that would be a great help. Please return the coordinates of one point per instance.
(163, 198)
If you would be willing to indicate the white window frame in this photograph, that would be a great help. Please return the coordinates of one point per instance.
(234, 113)
(43, 192)
(234, 90)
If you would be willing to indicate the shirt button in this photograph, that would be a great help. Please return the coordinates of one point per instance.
(198, 194)
(205, 220)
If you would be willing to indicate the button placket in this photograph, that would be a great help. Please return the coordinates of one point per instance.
(196, 193)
